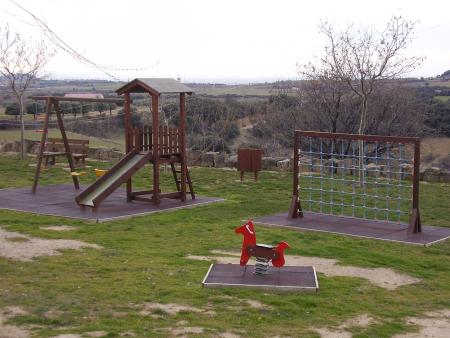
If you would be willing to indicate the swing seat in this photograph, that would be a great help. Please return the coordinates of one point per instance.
(100, 172)
(76, 173)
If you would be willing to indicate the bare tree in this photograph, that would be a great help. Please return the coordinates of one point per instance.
(365, 59)
(21, 62)
(327, 102)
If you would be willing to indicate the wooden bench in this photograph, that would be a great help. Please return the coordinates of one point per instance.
(55, 147)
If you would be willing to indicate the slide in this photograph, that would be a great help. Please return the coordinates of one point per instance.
(114, 178)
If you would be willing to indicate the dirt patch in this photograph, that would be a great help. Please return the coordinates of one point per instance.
(382, 277)
(127, 334)
(58, 228)
(96, 334)
(180, 331)
(227, 335)
(171, 309)
(435, 325)
(8, 331)
(53, 314)
(254, 304)
(183, 331)
(342, 330)
(34, 247)
(245, 301)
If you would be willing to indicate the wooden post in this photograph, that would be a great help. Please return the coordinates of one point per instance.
(127, 110)
(182, 127)
(295, 209)
(42, 147)
(415, 224)
(66, 143)
(155, 137)
(127, 120)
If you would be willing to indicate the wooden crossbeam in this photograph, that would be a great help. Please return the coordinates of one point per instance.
(77, 99)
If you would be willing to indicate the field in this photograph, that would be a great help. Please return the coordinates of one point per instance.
(14, 135)
(442, 98)
(238, 90)
(141, 281)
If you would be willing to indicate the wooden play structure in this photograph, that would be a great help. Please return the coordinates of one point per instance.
(361, 176)
(357, 185)
(153, 144)
(50, 148)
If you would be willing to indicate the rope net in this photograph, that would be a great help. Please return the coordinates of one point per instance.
(350, 177)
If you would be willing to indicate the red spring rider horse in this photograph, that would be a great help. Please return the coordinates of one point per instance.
(263, 253)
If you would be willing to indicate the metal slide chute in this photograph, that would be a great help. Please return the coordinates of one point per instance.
(114, 178)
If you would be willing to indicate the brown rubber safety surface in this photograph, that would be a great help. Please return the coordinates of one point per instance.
(288, 278)
(59, 200)
(388, 231)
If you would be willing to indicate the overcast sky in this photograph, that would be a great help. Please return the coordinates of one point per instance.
(217, 40)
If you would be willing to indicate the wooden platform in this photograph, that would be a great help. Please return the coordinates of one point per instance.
(287, 278)
(59, 200)
(387, 231)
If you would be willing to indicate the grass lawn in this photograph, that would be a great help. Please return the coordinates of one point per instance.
(442, 98)
(94, 142)
(144, 260)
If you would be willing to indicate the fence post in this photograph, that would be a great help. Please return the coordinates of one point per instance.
(415, 225)
(295, 209)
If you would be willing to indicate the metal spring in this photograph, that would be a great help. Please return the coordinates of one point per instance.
(261, 266)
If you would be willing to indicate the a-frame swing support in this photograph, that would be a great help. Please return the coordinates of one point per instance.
(53, 102)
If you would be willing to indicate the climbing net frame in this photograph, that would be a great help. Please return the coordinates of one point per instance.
(360, 176)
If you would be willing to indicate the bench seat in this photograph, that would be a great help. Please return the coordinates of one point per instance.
(55, 147)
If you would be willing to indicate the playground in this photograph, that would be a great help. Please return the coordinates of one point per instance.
(180, 273)
(143, 276)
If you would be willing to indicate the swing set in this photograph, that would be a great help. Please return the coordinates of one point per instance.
(52, 104)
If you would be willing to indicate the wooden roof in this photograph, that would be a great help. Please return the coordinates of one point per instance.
(154, 86)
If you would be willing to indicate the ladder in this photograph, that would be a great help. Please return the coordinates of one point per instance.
(175, 173)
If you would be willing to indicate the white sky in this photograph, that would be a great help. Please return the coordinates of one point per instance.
(218, 40)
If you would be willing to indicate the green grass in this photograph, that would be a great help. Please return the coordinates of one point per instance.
(442, 98)
(143, 260)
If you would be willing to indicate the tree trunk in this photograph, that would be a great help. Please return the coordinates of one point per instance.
(361, 130)
(22, 128)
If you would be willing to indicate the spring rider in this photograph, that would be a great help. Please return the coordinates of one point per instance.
(263, 253)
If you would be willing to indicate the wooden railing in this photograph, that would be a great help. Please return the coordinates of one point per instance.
(169, 140)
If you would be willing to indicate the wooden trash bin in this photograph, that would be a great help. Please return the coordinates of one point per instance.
(249, 160)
